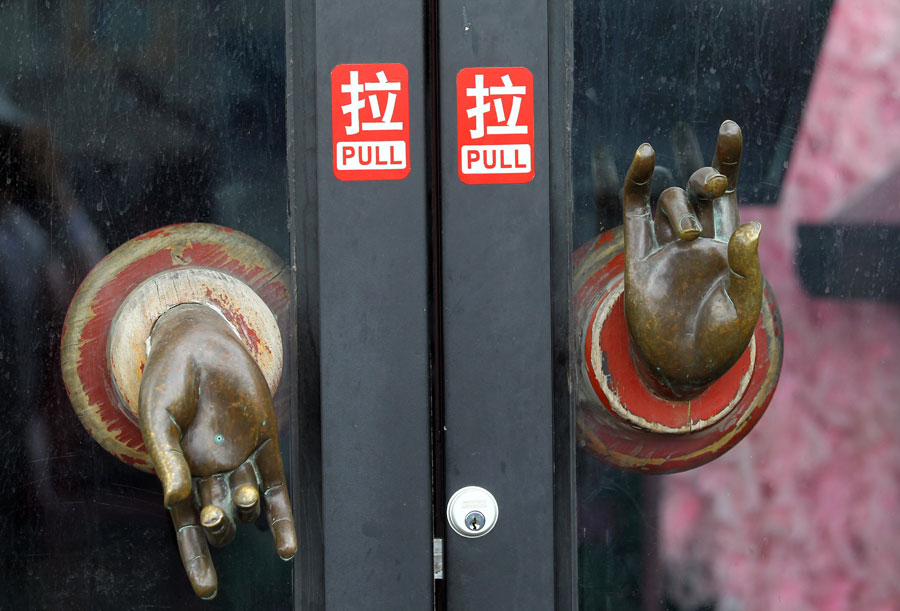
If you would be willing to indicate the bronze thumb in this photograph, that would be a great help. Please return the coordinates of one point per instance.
(745, 280)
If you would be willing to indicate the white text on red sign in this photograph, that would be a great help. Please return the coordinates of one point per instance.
(370, 121)
(495, 125)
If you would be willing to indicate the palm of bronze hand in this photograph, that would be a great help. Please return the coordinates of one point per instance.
(208, 422)
(693, 286)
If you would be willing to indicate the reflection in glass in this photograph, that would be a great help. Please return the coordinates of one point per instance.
(803, 514)
(116, 118)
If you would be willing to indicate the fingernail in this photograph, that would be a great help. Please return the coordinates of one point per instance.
(212, 518)
(692, 223)
(202, 575)
(729, 127)
(716, 185)
(285, 538)
(748, 234)
(246, 496)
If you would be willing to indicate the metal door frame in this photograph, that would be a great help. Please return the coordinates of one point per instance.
(361, 260)
(505, 275)
(462, 410)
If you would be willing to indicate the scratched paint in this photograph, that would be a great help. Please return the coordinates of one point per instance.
(619, 441)
(88, 321)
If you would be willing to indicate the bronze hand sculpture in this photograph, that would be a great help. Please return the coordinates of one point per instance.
(172, 353)
(209, 426)
(693, 286)
(679, 331)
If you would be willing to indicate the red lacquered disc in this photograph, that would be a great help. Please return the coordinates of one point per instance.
(88, 321)
(624, 422)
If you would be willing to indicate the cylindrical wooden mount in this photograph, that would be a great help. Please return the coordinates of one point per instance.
(108, 325)
(130, 340)
(620, 419)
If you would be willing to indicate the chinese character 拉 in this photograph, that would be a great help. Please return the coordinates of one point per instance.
(383, 90)
(501, 122)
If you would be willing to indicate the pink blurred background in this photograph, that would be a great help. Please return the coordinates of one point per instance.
(805, 512)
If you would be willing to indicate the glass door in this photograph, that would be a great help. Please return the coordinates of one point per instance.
(436, 177)
(117, 119)
(755, 503)
(795, 515)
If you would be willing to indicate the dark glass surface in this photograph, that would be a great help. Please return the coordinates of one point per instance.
(117, 118)
(801, 514)
(644, 71)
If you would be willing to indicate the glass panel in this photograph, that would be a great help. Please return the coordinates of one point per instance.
(117, 118)
(803, 512)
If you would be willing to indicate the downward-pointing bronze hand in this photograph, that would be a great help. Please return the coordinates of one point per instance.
(208, 422)
(693, 286)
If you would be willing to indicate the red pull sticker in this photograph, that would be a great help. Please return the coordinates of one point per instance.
(495, 125)
(370, 121)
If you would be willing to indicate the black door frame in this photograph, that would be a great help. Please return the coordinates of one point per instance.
(362, 271)
(505, 262)
(372, 259)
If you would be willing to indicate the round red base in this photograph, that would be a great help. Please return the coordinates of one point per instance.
(619, 418)
(89, 319)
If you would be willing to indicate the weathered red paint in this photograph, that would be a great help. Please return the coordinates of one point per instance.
(628, 384)
(134, 462)
(601, 431)
(152, 234)
(184, 249)
(233, 315)
(92, 366)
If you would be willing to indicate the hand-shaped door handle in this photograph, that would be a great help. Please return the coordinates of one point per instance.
(171, 356)
(681, 335)
(692, 295)
(210, 429)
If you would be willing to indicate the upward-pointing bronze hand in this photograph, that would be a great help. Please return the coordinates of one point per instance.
(693, 286)
(208, 422)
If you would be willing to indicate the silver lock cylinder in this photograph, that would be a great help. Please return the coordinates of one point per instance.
(472, 512)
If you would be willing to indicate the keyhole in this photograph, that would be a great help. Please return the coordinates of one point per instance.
(474, 520)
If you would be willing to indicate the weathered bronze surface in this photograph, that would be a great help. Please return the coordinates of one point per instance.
(693, 285)
(207, 419)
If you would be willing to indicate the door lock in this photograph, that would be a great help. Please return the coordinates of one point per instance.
(472, 512)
